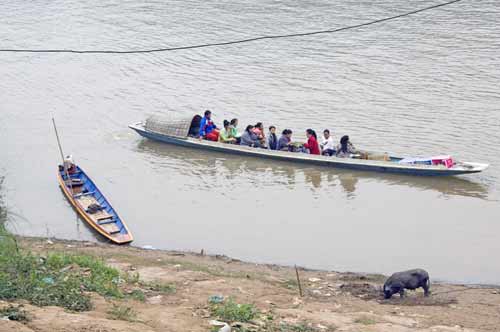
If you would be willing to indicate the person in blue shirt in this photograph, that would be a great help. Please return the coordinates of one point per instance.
(208, 129)
(272, 140)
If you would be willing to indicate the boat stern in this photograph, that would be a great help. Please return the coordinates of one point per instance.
(474, 167)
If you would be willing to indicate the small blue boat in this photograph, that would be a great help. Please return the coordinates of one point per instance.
(177, 131)
(91, 204)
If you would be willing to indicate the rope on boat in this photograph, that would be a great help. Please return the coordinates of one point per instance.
(241, 41)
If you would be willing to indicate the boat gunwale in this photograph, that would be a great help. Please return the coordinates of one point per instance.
(378, 165)
(85, 215)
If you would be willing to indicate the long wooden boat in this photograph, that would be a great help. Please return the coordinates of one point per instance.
(176, 131)
(84, 195)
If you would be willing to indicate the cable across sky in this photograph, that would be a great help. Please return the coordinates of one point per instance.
(240, 41)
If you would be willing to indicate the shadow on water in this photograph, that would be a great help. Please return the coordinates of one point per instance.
(210, 163)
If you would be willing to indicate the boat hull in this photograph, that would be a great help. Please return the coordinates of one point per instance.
(344, 163)
(120, 233)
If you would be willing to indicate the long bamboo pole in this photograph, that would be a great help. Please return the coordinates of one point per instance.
(62, 158)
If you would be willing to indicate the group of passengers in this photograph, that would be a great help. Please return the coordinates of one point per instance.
(254, 136)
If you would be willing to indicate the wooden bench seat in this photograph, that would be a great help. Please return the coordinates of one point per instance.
(111, 228)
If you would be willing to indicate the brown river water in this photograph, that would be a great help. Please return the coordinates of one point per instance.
(423, 85)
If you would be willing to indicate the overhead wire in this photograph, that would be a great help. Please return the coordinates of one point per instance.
(240, 41)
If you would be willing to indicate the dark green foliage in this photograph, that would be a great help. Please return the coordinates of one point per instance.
(230, 311)
(60, 279)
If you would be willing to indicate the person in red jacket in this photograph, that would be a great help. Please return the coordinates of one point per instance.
(312, 142)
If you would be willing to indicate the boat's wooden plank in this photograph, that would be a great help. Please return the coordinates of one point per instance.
(111, 228)
(101, 215)
(84, 194)
(104, 216)
(85, 201)
(122, 238)
(106, 221)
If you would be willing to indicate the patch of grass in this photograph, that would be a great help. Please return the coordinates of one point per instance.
(132, 278)
(160, 287)
(58, 279)
(230, 311)
(290, 284)
(365, 320)
(120, 312)
(304, 327)
(137, 294)
(16, 313)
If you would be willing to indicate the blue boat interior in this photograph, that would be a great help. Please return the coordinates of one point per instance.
(82, 186)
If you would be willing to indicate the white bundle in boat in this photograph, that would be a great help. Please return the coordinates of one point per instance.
(169, 125)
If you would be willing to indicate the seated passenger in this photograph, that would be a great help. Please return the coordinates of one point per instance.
(345, 149)
(225, 134)
(272, 140)
(234, 128)
(249, 138)
(69, 164)
(208, 129)
(312, 142)
(327, 145)
(194, 129)
(258, 130)
(285, 141)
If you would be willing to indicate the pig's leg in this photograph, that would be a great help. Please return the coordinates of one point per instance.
(426, 287)
(402, 293)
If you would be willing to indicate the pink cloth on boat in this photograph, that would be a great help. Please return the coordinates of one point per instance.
(437, 160)
(443, 160)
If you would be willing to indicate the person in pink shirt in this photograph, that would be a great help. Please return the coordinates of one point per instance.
(258, 130)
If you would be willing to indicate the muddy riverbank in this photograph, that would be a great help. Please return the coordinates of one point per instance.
(332, 301)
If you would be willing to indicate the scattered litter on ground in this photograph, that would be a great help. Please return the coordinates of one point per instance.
(224, 327)
(216, 299)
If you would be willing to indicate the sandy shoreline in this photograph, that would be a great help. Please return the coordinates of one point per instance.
(332, 301)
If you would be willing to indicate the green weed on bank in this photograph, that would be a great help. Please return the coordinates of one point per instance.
(59, 279)
(230, 311)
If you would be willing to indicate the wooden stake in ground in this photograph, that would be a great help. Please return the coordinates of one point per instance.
(298, 281)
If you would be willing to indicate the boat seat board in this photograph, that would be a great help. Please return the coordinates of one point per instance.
(104, 216)
(84, 194)
(106, 221)
(111, 228)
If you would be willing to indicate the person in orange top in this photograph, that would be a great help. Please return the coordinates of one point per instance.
(312, 142)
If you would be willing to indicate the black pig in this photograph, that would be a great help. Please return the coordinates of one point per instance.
(411, 279)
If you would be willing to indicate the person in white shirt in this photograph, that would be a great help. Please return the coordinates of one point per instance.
(327, 144)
